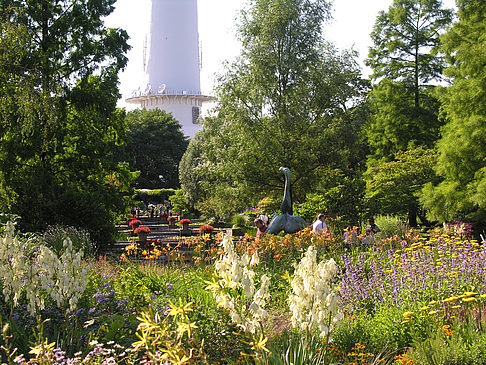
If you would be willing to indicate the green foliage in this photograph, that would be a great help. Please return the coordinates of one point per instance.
(466, 345)
(314, 204)
(155, 145)
(292, 348)
(60, 126)
(462, 156)
(269, 205)
(239, 220)
(343, 192)
(392, 187)
(397, 124)
(155, 196)
(178, 202)
(406, 61)
(290, 100)
(54, 236)
(405, 38)
(381, 333)
(390, 226)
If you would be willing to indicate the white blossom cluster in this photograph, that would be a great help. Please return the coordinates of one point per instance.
(38, 271)
(235, 272)
(313, 301)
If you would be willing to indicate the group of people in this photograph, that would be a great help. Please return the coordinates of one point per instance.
(319, 227)
(159, 210)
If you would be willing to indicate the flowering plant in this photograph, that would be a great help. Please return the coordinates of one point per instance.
(313, 301)
(206, 228)
(172, 218)
(141, 229)
(135, 222)
(184, 221)
(233, 286)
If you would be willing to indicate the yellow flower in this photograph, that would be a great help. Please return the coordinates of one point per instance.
(470, 299)
(433, 302)
(432, 312)
(456, 306)
(424, 308)
(450, 299)
(408, 314)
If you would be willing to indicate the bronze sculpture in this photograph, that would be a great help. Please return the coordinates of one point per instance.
(286, 221)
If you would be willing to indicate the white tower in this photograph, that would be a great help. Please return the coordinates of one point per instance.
(171, 63)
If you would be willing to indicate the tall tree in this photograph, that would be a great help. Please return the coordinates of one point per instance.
(155, 146)
(58, 117)
(406, 64)
(462, 153)
(405, 40)
(283, 103)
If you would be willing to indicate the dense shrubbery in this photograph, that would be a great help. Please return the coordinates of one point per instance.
(155, 196)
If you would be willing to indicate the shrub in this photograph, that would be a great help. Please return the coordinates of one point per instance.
(239, 220)
(313, 205)
(156, 196)
(391, 225)
(178, 202)
(268, 205)
(54, 236)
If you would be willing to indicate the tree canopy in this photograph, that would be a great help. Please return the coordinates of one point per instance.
(462, 153)
(287, 101)
(60, 126)
(155, 145)
(406, 67)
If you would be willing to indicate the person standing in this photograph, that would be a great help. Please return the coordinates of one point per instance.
(319, 225)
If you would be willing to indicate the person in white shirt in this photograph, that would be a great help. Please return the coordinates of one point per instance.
(319, 226)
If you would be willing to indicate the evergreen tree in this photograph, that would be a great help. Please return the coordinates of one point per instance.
(405, 65)
(462, 153)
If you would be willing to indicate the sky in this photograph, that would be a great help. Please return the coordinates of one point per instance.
(350, 27)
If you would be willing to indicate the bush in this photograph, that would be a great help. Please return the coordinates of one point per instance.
(390, 225)
(178, 202)
(269, 205)
(155, 196)
(239, 220)
(312, 206)
(54, 236)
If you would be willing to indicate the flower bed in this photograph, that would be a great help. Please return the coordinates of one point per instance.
(206, 228)
(379, 303)
(134, 223)
(142, 229)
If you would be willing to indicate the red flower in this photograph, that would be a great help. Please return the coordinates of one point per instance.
(142, 229)
(172, 218)
(185, 220)
(135, 222)
(206, 228)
